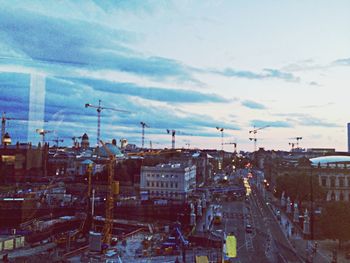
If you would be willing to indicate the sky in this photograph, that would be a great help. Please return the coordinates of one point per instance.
(189, 66)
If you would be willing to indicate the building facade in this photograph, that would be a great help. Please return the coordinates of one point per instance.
(169, 181)
(334, 176)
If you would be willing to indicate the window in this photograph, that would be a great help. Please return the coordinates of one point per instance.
(341, 197)
(148, 184)
(166, 185)
(157, 184)
(332, 196)
(176, 185)
(324, 181)
(161, 184)
(171, 185)
(341, 181)
(152, 184)
(332, 182)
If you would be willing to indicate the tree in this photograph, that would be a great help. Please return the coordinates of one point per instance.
(335, 221)
(298, 187)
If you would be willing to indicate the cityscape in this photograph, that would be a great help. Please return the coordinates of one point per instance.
(174, 131)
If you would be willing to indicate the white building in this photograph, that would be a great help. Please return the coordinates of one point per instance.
(334, 176)
(170, 181)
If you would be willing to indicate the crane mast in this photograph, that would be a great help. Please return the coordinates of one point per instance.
(43, 132)
(108, 225)
(172, 132)
(254, 132)
(222, 137)
(3, 125)
(99, 108)
(143, 124)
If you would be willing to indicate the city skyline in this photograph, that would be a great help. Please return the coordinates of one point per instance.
(191, 66)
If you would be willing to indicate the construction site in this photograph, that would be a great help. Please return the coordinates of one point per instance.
(72, 204)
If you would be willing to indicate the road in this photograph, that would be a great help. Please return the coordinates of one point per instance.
(267, 242)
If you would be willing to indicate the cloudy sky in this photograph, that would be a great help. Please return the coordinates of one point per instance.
(183, 65)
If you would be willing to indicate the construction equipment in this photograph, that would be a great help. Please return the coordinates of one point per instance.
(108, 225)
(292, 144)
(155, 152)
(3, 125)
(43, 132)
(143, 124)
(222, 137)
(173, 132)
(75, 140)
(254, 132)
(99, 108)
(297, 142)
(57, 141)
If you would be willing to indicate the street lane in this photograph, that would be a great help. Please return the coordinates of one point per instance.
(280, 245)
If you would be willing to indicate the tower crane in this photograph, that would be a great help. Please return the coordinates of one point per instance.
(173, 132)
(108, 225)
(57, 140)
(3, 125)
(222, 137)
(75, 139)
(99, 108)
(254, 132)
(297, 141)
(143, 124)
(43, 132)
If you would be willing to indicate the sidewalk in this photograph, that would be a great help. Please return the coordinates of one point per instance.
(305, 247)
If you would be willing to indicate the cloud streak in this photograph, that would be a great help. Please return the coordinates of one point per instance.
(266, 73)
(275, 124)
(55, 41)
(253, 105)
(152, 93)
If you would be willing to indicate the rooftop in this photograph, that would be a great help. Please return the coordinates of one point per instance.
(333, 159)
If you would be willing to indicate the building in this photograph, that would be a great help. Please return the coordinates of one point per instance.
(170, 181)
(334, 175)
(20, 162)
(349, 137)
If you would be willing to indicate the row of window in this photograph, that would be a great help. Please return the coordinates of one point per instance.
(163, 175)
(166, 194)
(341, 196)
(162, 184)
(332, 181)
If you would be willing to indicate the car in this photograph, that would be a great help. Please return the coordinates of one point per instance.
(249, 228)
